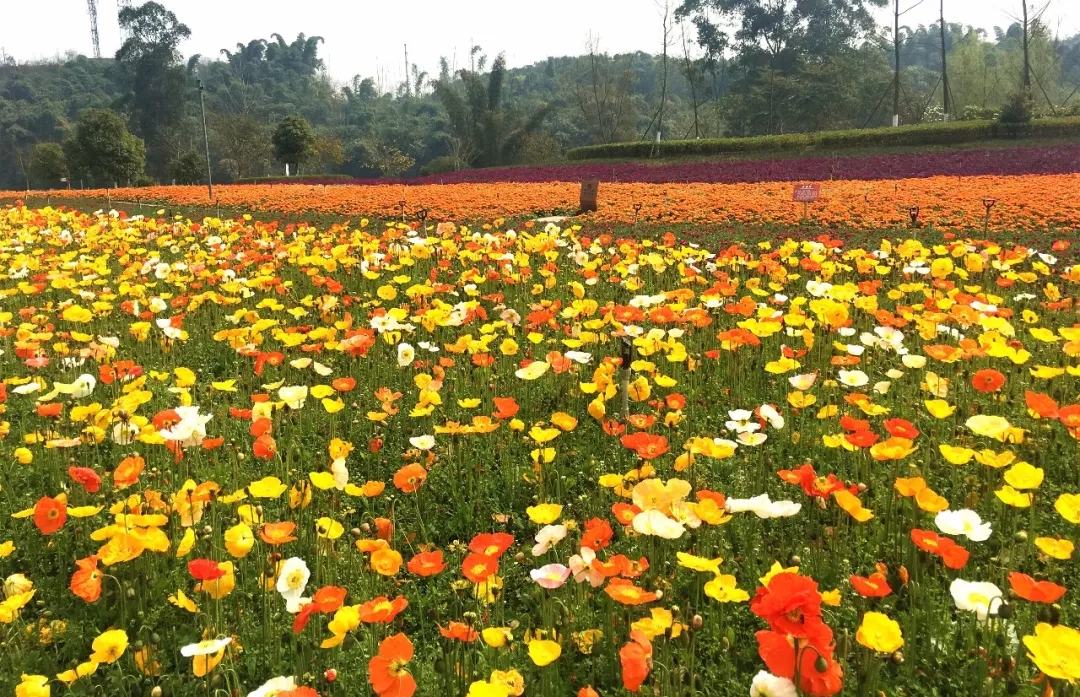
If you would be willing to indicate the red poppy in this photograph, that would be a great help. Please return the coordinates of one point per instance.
(862, 439)
(88, 478)
(260, 426)
(213, 443)
(492, 544)
(987, 380)
(901, 428)
(427, 563)
(205, 569)
(326, 599)
(50, 514)
(778, 653)
(646, 445)
(1036, 591)
(852, 425)
(791, 604)
(478, 568)
(386, 671)
(953, 555)
(636, 659)
(873, 586)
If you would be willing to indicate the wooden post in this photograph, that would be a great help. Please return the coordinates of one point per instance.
(627, 359)
(590, 192)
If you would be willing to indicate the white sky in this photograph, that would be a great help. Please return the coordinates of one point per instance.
(366, 37)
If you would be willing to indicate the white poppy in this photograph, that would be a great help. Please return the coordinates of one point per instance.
(964, 522)
(853, 378)
(205, 648)
(766, 684)
(976, 596)
(424, 442)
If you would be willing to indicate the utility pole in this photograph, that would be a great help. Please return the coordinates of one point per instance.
(206, 142)
(896, 74)
(944, 70)
(1027, 62)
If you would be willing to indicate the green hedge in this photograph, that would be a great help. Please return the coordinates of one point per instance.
(952, 133)
(303, 179)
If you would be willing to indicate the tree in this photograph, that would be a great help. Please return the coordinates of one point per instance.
(48, 165)
(486, 133)
(188, 168)
(293, 141)
(602, 94)
(149, 62)
(104, 151)
(242, 139)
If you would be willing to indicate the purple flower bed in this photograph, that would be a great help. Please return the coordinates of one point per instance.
(1012, 161)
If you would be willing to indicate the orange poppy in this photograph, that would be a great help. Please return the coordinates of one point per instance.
(410, 478)
(459, 631)
(625, 512)
(51, 410)
(427, 563)
(265, 447)
(623, 591)
(345, 384)
(1043, 405)
(128, 471)
(988, 380)
(505, 407)
(275, 534)
(901, 428)
(478, 568)
(86, 582)
(873, 586)
(50, 514)
(382, 609)
(386, 561)
(386, 671)
(1035, 591)
(635, 657)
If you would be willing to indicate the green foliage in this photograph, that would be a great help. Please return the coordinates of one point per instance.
(952, 133)
(1017, 110)
(188, 168)
(293, 141)
(103, 151)
(48, 165)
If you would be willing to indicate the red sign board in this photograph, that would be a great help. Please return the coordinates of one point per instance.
(805, 193)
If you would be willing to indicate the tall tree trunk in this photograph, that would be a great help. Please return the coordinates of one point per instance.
(944, 69)
(896, 72)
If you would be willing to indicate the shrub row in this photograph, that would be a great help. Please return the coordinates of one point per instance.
(953, 133)
(305, 179)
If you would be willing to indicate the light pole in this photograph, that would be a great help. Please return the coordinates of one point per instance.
(206, 142)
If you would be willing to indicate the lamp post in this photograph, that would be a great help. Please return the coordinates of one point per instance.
(206, 142)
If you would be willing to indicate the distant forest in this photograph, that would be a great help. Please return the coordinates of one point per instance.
(827, 69)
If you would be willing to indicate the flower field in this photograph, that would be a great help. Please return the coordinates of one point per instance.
(257, 458)
(947, 203)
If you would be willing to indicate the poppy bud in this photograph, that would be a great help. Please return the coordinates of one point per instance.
(1021, 535)
(821, 665)
(155, 638)
(898, 658)
(697, 622)
(356, 532)
(156, 692)
(1005, 612)
(330, 675)
(794, 560)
